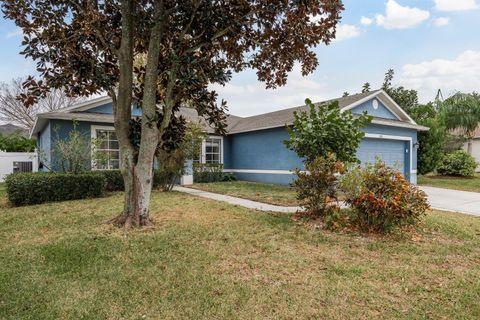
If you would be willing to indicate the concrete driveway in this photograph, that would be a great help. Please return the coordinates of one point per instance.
(453, 200)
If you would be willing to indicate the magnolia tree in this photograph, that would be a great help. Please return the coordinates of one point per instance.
(88, 47)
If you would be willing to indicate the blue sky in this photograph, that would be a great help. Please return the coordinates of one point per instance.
(431, 44)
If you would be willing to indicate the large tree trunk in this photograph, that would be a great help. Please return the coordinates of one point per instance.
(137, 168)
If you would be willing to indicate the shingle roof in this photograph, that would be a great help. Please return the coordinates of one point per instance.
(285, 116)
(235, 124)
(189, 114)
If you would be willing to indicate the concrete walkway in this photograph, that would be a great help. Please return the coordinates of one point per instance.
(238, 201)
(453, 200)
(440, 199)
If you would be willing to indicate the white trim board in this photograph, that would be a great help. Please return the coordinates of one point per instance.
(390, 137)
(258, 171)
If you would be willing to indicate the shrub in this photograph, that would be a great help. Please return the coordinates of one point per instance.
(228, 176)
(207, 172)
(113, 180)
(316, 187)
(382, 198)
(166, 178)
(35, 188)
(171, 169)
(458, 163)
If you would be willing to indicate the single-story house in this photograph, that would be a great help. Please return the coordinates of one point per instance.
(253, 148)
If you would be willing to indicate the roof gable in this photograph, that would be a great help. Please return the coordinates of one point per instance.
(375, 108)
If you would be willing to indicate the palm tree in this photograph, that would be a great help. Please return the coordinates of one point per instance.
(462, 112)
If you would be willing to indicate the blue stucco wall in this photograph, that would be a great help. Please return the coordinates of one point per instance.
(381, 112)
(264, 150)
(261, 150)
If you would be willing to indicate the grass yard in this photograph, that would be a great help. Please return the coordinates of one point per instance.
(267, 193)
(209, 260)
(457, 183)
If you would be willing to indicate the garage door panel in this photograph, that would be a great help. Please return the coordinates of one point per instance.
(392, 152)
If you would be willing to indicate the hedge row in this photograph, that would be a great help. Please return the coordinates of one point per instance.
(36, 188)
(114, 179)
(40, 187)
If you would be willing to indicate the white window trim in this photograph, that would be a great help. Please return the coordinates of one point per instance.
(401, 138)
(203, 159)
(93, 135)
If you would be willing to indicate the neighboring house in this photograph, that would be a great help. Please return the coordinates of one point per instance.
(253, 148)
(475, 147)
(16, 161)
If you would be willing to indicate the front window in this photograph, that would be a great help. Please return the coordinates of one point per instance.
(107, 153)
(213, 150)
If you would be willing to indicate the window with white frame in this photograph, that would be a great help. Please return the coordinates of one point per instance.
(212, 150)
(107, 151)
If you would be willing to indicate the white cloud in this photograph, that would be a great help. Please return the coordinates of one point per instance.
(442, 21)
(399, 17)
(366, 21)
(459, 74)
(14, 33)
(251, 99)
(456, 5)
(347, 31)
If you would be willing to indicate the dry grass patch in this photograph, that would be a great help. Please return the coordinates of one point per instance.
(210, 260)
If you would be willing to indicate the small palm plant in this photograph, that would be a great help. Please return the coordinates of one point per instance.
(462, 112)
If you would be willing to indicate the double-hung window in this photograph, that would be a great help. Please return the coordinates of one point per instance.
(213, 150)
(106, 155)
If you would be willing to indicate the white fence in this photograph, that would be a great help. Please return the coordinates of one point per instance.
(17, 161)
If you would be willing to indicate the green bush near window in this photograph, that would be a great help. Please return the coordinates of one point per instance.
(458, 163)
(207, 172)
(35, 188)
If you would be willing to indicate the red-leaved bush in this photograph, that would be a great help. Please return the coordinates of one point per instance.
(382, 198)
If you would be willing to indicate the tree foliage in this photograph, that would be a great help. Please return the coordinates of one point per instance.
(462, 112)
(405, 98)
(325, 130)
(366, 87)
(16, 143)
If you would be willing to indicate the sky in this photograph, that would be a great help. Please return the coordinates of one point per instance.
(431, 45)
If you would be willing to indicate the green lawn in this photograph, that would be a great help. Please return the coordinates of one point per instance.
(267, 193)
(209, 260)
(457, 183)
